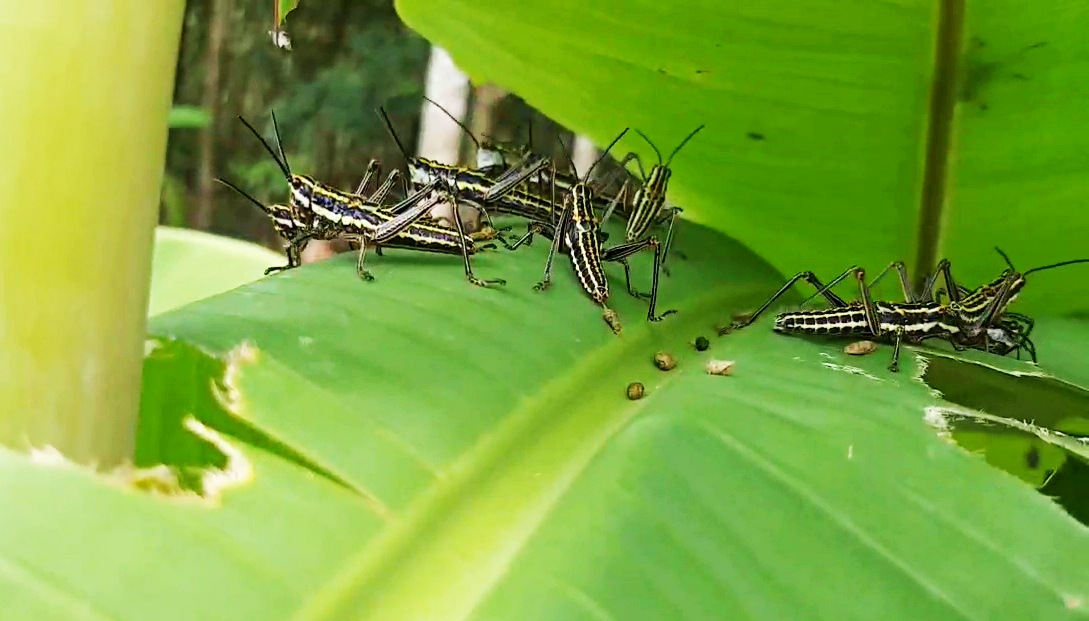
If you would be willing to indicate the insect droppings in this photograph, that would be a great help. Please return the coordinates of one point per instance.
(611, 318)
(664, 361)
(635, 391)
(702, 343)
(860, 348)
(720, 367)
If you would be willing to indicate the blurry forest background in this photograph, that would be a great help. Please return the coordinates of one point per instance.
(346, 58)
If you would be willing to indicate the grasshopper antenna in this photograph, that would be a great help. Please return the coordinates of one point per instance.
(1042, 267)
(1006, 258)
(242, 192)
(392, 133)
(279, 142)
(647, 140)
(659, 154)
(566, 152)
(1054, 265)
(454, 119)
(281, 163)
(604, 153)
(683, 142)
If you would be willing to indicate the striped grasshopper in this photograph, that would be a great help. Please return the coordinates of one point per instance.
(648, 205)
(477, 187)
(492, 157)
(1006, 332)
(898, 322)
(536, 199)
(324, 212)
(578, 234)
(972, 319)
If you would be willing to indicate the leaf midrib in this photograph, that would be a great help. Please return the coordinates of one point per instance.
(457, 542)
(939, 141)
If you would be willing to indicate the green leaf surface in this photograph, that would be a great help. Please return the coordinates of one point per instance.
(188, 117)
(419, 448)
(838, 133)
(1065, 342)
(77, 546)
(190, 265)
(1022, 418)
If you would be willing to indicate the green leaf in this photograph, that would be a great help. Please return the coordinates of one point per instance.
(282, 8)
(1023, 419)
(173, 201)
(188, 117)
(830, 125)
(222, 263)
(419, 448)
(67, 545)
(1066, 343)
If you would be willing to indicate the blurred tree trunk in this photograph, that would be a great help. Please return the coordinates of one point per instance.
(440, 138)
(217, 34)
(583, 154)
(485, 99)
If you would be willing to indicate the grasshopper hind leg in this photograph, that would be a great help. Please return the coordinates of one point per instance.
(360, 264)
(472, 278)
(627, 279)
(894, 365)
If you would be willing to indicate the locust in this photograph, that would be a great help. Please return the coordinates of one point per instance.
(533, 200)
(478, 187)
(648, 205)
(975, 319)
(321, 211)
(577, 233)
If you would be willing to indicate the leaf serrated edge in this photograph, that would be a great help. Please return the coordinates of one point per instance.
(160, 480)
(938, 417)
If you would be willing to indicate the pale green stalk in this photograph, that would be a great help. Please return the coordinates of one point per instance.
(85, 90)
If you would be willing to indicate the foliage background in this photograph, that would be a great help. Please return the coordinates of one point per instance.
(388, 454)
(347, 59)
(838, 104)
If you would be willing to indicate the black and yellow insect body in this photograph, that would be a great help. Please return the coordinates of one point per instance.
(972, 319)
(649, 201)
(482, 189)
(508, 179)
(883, 321)
(397, 227)
(582, 238)
(297, 232)
(648, 205)
(578, 235)
(328, 212)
